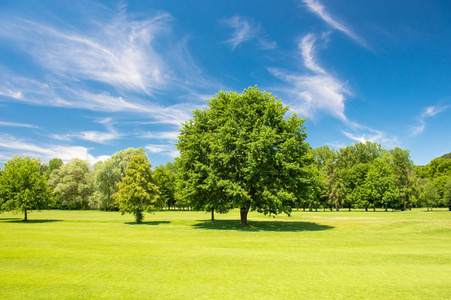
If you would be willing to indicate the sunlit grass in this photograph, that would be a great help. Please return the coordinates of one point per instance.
(184, 255)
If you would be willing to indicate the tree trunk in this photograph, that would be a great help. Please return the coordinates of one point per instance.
(212, 214)
(243, 213)
(374, 208)
(25, 217)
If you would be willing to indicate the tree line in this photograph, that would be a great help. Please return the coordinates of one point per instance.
(241, 151)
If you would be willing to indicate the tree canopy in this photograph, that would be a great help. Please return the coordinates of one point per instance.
(23, 187)
(137, 192)
(240, 152)
(108, 173)
(72, 184)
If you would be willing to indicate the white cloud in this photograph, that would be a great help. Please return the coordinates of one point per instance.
(132, 59)
(47, 152)
(374, 136)
(165, 135)
(119, 52)
(307, 48)
(93, 136)
(431, 111)
(10, 124)
(316, 7)
(245, 30)
(163, 149)
(428, 112)
(312, 94)
(58, 94)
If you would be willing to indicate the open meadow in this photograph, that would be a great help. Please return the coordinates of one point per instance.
(184, 255)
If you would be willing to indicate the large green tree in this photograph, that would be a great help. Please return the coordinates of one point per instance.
(72, 184)
(241, 152)
(23, 187)
(137, 192)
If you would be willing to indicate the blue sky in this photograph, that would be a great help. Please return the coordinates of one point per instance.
(86, 79)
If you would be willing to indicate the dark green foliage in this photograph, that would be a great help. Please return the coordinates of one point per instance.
(439, 172)
(166, 181)
(447, 194)
(23, 187)
(446, 156)
(241, 152)
(429, 196)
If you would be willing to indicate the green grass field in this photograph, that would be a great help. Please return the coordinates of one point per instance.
(183, 255)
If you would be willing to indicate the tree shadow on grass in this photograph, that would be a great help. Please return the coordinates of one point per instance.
(261, 226)
(148, 223)
(33, 221)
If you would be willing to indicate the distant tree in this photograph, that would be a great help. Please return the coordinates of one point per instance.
(446, 156)
(438, 171)
(55, 164)
(110, 172)
(23, 187)
(402, 167)
(72, 184)
(323, 154)
(166, 181)
(137, 192)
(380, 185)
(106, 176)
(240, 152)
(359, 153)
(447, 194)
(337, 194)
(429, 197)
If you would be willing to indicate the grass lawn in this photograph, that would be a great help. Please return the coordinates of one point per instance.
(183, 255)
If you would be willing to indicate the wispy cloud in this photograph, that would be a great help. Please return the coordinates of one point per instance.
(374, 136)
(307, 47)
(59, 94)
(428, 112)
(120, 52)
(10, 124)
(164, 135)
(317, 8)
(163, 149)
(245, 30)
(92, 136)
(315, 93)
(47, 152)
(116, 62)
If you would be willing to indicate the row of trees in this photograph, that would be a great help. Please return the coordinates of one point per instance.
(367, 176)
(239, 152)
(26, 184)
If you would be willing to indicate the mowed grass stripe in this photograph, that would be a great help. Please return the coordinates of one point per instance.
(183, 255)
